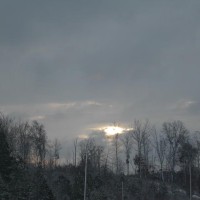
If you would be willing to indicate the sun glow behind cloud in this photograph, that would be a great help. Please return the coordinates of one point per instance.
(113, 130)
(110, 130)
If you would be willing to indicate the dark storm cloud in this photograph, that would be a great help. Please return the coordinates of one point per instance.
(140, 56)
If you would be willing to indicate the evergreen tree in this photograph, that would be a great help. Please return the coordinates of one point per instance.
(41, 188)
(4, 194)
(6, 161)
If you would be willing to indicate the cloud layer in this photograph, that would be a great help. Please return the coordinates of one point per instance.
(74, 64)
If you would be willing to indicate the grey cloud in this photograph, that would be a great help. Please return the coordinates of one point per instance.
(195, 108)
(140, 56)
(187, 107)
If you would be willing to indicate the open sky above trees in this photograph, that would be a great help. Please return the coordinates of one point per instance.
(79, 65)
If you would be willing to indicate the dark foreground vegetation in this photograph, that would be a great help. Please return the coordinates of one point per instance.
(142, 164)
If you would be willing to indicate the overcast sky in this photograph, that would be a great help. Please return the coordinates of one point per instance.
(75, 65)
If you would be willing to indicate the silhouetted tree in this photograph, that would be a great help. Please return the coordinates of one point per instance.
(140, 135)
(127, 144)
(39, 139)
(176, 134)
(6, 161)
(160, 147)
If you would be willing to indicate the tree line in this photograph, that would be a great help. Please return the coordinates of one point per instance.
(148, 161)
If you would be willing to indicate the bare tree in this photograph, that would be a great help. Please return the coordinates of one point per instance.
(140, 135)
(50, 155)
(160, 147)
(24, 141)
(146, 147)
(85, 145)
(175, 133)
(198, 153)
(98, 157)
(39, 141)
(94, 154)
(127, 143)
(116, 145)
(75, 151)
(106, 159)
(56, 151)
(196, 142)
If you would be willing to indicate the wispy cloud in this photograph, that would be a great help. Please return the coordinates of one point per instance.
(56, 106)
(38, 117)
(186, 107)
